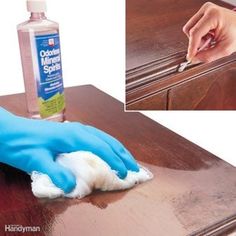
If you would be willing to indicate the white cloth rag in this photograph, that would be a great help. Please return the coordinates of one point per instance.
(91, 173)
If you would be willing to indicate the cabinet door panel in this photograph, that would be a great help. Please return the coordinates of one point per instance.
(212, 91)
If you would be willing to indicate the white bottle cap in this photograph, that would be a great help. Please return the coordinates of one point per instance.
(36, 5)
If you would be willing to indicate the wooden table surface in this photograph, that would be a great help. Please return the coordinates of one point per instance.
(193, 191)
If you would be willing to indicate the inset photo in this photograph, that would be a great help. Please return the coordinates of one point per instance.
(180, 55)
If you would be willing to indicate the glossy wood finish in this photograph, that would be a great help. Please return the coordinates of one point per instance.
(193, 192)
(216, 91)
(156, 46)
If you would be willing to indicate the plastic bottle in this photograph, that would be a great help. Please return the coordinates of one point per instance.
(41, 62)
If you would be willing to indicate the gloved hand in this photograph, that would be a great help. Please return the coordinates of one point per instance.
(33, 145)
(220, 21)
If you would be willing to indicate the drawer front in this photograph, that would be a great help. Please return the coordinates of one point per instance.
(157, 101)
(212, 91)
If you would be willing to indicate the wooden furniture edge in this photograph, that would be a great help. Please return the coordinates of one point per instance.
(218, 228)
(160, 81)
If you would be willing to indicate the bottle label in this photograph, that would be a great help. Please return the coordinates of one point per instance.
(49, 80)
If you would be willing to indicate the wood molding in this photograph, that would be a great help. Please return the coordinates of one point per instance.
(219, 228)
(141, 84)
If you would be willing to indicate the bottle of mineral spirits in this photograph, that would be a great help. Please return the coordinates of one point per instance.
(41, 62)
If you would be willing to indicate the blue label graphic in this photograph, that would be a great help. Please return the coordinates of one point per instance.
(50, 82)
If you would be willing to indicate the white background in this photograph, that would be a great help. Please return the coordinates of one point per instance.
(93, 48)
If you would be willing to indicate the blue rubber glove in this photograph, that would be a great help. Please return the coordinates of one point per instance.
(33, 145)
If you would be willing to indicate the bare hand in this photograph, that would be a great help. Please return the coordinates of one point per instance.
(216, 19)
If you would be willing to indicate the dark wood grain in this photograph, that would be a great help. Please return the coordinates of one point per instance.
(156, 46)
(193, 191)
(154, 29)
(215, 91)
